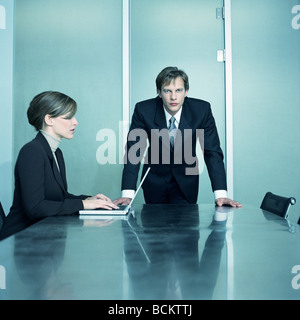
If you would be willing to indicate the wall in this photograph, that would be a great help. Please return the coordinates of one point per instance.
(6, 104)
(159, 38)
(73, 47)
(266, 96)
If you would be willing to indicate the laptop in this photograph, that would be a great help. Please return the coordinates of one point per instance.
(123, 209)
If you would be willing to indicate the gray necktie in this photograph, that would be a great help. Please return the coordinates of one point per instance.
(172, 130)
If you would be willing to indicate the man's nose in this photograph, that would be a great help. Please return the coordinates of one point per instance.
(173, 96)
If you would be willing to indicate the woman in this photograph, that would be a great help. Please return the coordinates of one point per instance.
(40, 175)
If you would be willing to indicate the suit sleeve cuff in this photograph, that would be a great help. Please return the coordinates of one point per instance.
(128, 193)
(220, 194)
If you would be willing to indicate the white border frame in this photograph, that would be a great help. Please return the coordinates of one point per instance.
(126, 70)
(228, 98)
(229, 145)
(6, 84)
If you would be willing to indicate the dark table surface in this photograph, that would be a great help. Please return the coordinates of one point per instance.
(157, 252)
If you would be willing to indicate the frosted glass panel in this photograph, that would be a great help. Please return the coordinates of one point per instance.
(185, 34)
(72, 46)
(6, 78)
(266, 73)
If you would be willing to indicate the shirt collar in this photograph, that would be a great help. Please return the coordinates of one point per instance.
(176, 116)
(53, 142)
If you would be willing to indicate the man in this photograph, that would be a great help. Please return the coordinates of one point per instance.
(173, 177)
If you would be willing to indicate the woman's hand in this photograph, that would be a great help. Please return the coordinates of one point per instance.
(99, 196)
(99, 201)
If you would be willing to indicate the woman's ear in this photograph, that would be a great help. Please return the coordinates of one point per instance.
(48, 120)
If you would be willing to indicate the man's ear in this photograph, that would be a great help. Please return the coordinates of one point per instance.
(158, 92)
(48, 120)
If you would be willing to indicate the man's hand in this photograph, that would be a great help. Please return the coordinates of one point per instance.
(124, 201)
(227, 202)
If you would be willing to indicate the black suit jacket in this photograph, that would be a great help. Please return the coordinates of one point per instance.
(40, 189)
(196, 123)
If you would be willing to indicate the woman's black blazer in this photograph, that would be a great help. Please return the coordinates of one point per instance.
(40, 188)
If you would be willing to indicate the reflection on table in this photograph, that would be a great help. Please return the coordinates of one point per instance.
(162, 254)
(156, 252)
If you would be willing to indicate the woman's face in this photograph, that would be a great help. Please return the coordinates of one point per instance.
(61, 127)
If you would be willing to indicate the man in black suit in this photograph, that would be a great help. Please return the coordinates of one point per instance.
(172, 123)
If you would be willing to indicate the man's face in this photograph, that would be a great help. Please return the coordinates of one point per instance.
(173, 95)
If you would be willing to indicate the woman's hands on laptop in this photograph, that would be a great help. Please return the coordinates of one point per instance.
(99, 201)
(124, 201)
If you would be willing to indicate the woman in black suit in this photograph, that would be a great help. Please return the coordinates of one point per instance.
(40, 176)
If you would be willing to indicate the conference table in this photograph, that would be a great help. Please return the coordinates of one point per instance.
(156, 252)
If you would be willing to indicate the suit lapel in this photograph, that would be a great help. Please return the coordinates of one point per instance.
(159, 118)
(185, 123)
(56, 173)
(185, 118)
(161, 124)
(61, 163)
